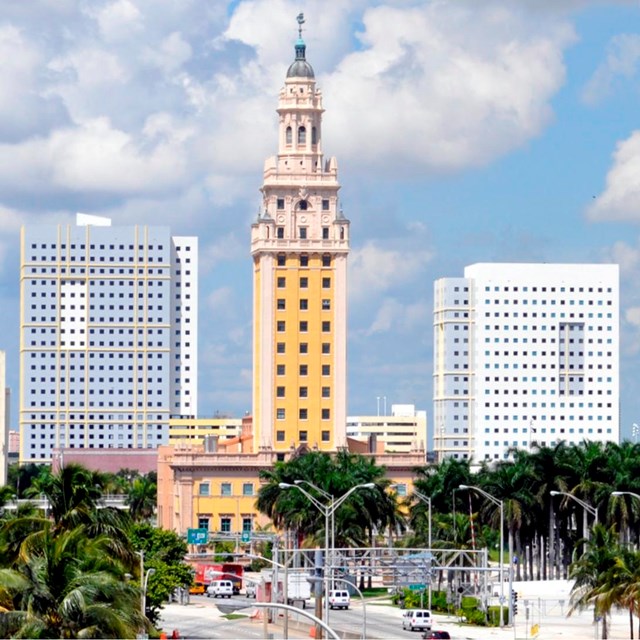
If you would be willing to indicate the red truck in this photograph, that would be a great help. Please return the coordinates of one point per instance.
(207, 573)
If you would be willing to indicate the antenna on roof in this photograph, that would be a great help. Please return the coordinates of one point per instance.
(300, 19)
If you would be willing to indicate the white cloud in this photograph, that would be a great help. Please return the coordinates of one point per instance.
(622, 59)
(632, 316)
(393, 315)
(374, 269)
(621, 198)
(453, 84)
(117, 20)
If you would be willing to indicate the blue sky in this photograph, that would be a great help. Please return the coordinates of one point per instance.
(465, 131)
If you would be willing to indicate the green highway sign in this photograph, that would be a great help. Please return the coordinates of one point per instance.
(417, 587)
(246, 536)
(197, 536)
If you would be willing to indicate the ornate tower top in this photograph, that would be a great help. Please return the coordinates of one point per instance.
(300, 67)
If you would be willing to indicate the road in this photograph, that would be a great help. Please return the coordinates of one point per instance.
(204, 618)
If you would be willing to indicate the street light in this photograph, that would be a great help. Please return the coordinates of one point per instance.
(150, 571)
(617, 494)
(328, 511)
(585, 505)
(500, 503)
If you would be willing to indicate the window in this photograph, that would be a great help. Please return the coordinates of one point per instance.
(326, 260)
(281, 304)
(326, 305)
(247, 488)
(282, 260)
(304, 326)
(281, 325)
(326, 414)
(302, 135)
(325, 233)
(304, 347)
(326, 392)
(302, 232)
(225, 489)
(326, 283)
(303, 205)
(203, 489)
(280, 369)
(326, 348)
(326, 326)
(280, 414)
(304, 260)
(225, 524)
(304, 283)
(303, 414)
(304, 304)
(247, 524)
(289, 135)
(401, 489)
(314, 136)
(326, 437)
(280, 392)
(304, 392)
(325, 205)
(304, 369)
(280, 436)
(302, 436)
(282, 282)
(203, 521)
(280, 347)
(280, 232)
(326, 369)
(280, 201)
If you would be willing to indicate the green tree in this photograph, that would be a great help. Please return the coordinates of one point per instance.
(67, 585)
(163, 551)
(142, 498)
(592, 573)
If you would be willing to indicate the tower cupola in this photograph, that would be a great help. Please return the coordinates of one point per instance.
(300, 68)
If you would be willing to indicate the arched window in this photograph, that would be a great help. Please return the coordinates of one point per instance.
(288, 135)
(314, 136)
(302, 135)
(303, 205)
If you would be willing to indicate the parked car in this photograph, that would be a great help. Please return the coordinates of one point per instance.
(339, 599)
(250, 590)
(417, 619)
(431, 635)
(197, 588)
(220, 589)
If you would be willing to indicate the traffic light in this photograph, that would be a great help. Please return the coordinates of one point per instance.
(514, 601)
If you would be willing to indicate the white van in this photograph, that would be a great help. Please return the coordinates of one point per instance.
(416, 619)
(339, 599)
(220, 589)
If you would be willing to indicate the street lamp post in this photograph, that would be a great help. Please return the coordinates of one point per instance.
(617, 494)
(327, 511)
(585, 505)
(150, 571)
(500, 503)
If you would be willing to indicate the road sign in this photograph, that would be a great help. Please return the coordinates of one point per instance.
(197, 536)
(417, 587)
(246, 536)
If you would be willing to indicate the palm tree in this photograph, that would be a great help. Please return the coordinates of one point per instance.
(68, 585)
(592, 573)
(142, 498)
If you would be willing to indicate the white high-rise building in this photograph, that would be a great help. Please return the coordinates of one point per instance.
(108, 336)
(525, 354)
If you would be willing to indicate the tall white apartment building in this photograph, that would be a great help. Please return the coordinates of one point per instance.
(403, 431)
(525, 354)
(108, 336)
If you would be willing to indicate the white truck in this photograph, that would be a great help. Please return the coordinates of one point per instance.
(298, 589)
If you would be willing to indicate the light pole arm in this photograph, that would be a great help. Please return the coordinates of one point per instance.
(336, 503)
(322, 492)
(585, 505)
